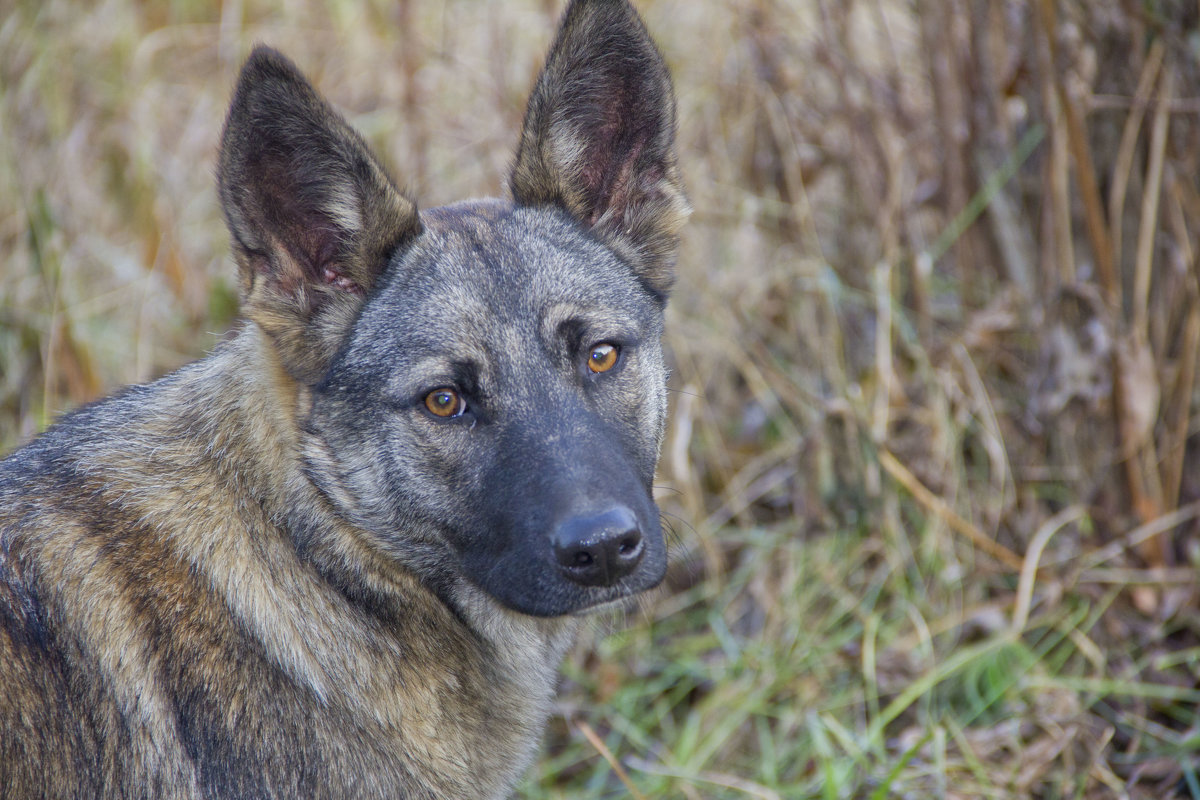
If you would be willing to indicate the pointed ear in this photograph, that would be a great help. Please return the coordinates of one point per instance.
(313, 216)
(599, 138)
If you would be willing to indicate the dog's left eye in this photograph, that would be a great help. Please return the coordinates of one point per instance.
(445, 403)
(603, 357)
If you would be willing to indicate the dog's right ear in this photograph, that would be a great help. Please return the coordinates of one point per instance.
(313, 216)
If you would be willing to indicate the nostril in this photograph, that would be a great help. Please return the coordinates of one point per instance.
(630, 545)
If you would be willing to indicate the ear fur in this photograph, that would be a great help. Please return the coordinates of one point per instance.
(599, 138)
(313, 216)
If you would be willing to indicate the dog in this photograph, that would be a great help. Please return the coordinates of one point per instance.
(344, 554)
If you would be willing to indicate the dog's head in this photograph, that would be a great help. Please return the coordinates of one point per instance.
(486, 382)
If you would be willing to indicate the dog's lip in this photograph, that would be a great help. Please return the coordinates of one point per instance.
(624, 600)
(622, 603)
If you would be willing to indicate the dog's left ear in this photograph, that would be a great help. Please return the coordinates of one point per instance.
(599, 138)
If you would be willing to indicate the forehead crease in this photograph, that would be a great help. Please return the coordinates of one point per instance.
(558, 314)
(463, 324)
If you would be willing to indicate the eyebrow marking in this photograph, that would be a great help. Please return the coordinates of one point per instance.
(565, 315)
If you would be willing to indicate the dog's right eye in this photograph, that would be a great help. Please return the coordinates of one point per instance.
(603, 357)
(445, 403)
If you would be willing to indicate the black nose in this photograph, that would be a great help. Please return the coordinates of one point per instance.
(599, 549)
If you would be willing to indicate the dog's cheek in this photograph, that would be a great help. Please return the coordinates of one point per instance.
(346, 469)
(636, 411)
(431, 467)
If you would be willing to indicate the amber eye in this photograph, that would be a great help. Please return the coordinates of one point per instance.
(444, 403)
(602, 357)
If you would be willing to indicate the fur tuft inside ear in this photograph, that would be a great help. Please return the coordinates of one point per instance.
(599, 138)
(313, 216)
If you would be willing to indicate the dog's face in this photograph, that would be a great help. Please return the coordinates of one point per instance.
(486, 379)
(504, 388)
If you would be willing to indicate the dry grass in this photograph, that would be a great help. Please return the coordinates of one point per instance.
(933, 458)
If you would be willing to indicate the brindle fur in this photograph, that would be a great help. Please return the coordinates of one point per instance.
(273, 573)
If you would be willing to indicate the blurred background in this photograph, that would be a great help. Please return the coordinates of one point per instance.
(932, 472)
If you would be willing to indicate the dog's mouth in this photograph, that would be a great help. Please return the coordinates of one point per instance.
(540, 585)
(564, 599)
(622, 605)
